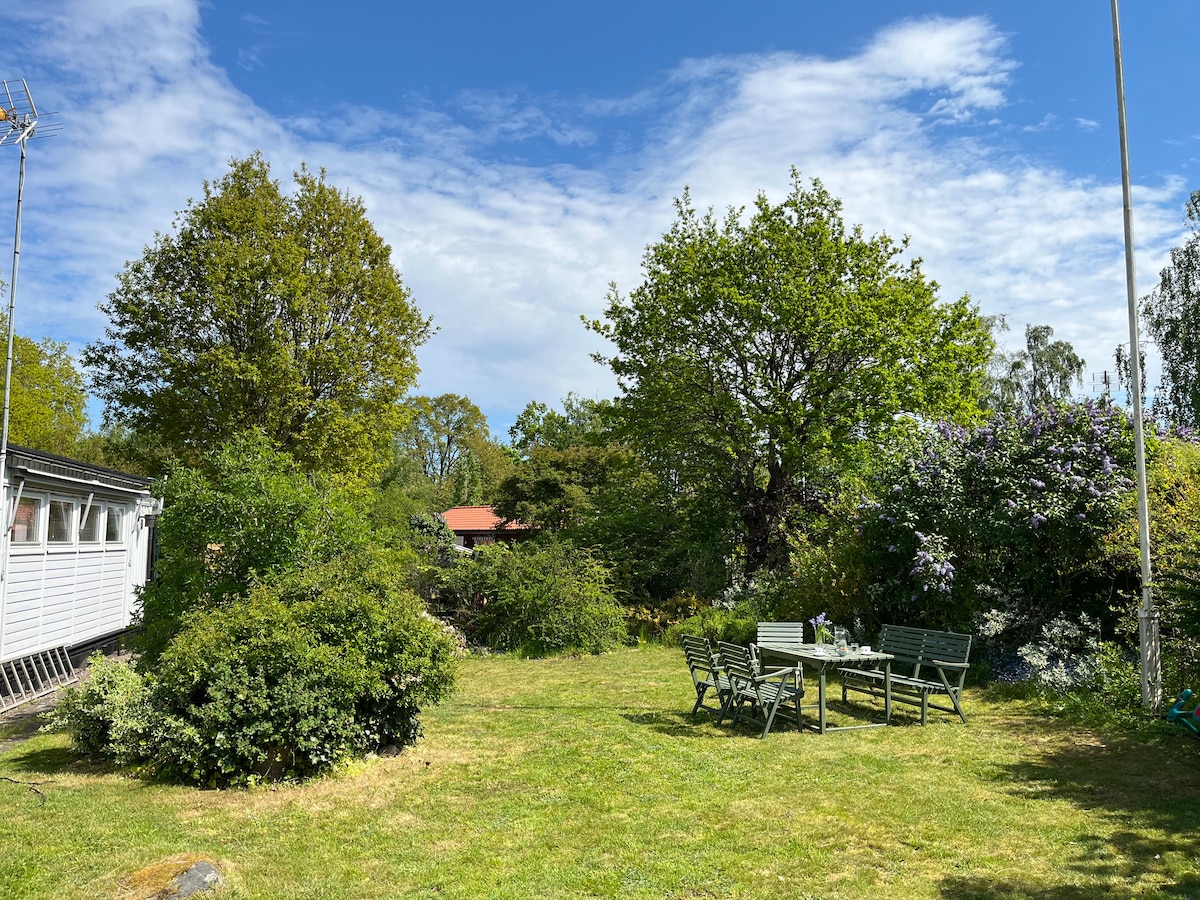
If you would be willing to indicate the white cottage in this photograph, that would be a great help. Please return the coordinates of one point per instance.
(77, 545)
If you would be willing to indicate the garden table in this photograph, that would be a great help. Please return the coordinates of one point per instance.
(818, 658)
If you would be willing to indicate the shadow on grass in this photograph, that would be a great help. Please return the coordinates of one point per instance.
(679, 724)
(983, 889)
(1141, 787)
(54, 761)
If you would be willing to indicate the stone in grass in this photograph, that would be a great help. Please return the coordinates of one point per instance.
(174, 878)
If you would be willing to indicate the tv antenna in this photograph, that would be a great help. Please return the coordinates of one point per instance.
(18, 125)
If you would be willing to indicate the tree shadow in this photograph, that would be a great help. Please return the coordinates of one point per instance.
(55, 761)
(1140, 787)
(678, 723)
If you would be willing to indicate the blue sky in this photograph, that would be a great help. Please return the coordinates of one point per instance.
(519, 156)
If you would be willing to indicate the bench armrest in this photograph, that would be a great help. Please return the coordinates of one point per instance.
(943, 664)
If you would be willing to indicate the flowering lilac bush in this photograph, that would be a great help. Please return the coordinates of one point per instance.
(1006, 518)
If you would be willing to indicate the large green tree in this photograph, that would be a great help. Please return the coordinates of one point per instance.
(1172, 316)
(760, 351)
(48, 403)
(268, 310)
(1043, 373)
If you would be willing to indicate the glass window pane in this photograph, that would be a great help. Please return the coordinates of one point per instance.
(113, 533)
(90, 529)
(25, 524)
(59, 531)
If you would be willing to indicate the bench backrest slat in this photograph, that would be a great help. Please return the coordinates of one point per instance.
(922, 646)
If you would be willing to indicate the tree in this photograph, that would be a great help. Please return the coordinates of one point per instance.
(1041, 374)
(48, 404)
(441, 432)
(759, 352)
(582, 423)
(262, 310)
(1172, 316)
(246, 518)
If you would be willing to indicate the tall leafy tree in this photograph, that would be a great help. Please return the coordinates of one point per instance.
(1043, 373)
(48, 403)
(268, 310)
(1172, 316)
(582, 422)
(761, 349)
(441, 433)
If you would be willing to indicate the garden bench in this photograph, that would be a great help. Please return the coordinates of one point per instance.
(925, 663)
(707, 673)
(765, 693)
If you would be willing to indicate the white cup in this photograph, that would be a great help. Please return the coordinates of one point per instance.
(865, 648)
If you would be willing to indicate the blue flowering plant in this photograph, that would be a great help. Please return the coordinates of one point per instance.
(822, 633)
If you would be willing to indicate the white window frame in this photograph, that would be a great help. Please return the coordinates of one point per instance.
(121, 512)
(39, 524)
(72, 524)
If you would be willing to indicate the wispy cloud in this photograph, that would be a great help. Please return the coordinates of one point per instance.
(1086, 124)
(506, 254)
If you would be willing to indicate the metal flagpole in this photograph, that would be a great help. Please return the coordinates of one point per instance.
(1148, 635)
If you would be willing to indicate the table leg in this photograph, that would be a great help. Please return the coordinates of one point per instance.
(887, 691)
(821, 699)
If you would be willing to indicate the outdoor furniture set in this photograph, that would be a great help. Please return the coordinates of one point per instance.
(908, 666)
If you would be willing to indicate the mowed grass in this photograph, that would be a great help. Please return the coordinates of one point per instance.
(587, 778)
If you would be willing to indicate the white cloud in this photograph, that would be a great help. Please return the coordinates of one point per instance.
(1086, 124)
(507, 256)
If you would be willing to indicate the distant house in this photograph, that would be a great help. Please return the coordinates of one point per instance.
(478, 526)
(76, 546)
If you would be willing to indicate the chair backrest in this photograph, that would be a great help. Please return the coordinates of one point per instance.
(698, 652)
(780, 633)
(737, 661)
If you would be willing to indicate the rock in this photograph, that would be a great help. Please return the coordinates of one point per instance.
(200, 877)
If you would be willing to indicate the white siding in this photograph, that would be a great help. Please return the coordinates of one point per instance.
(70, 595)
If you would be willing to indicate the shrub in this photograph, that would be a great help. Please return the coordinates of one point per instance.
(248, 515)
(319, 666)
(538, 597)
(109, 714)
(738, 625)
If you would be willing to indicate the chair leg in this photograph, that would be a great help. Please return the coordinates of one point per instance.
(924, 707)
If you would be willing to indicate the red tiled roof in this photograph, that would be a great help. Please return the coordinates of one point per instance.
(477, 518)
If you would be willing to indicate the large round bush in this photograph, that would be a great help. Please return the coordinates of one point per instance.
(321, 665)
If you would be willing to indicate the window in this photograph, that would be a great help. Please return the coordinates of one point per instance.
(89, 530)
(26, 522)
(113, 532)
(62, 515)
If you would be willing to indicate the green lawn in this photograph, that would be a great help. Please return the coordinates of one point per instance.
(587, 778)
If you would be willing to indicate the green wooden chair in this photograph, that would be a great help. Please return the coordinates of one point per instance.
(707, 674)
(764, 694)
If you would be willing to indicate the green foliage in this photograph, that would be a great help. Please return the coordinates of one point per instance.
(536, 597)
(1172, 316)
(1173, 475)
(250, 517)
(48, 403)
(110, 714)
(606, 498)
(1007, 519)
(760, 351)
(445, 456)
(262, 310)
(1042, 373)
(582, 423)
(318, 666)
(717, 623)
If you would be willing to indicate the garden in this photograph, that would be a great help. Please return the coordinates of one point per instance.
(586, 776)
